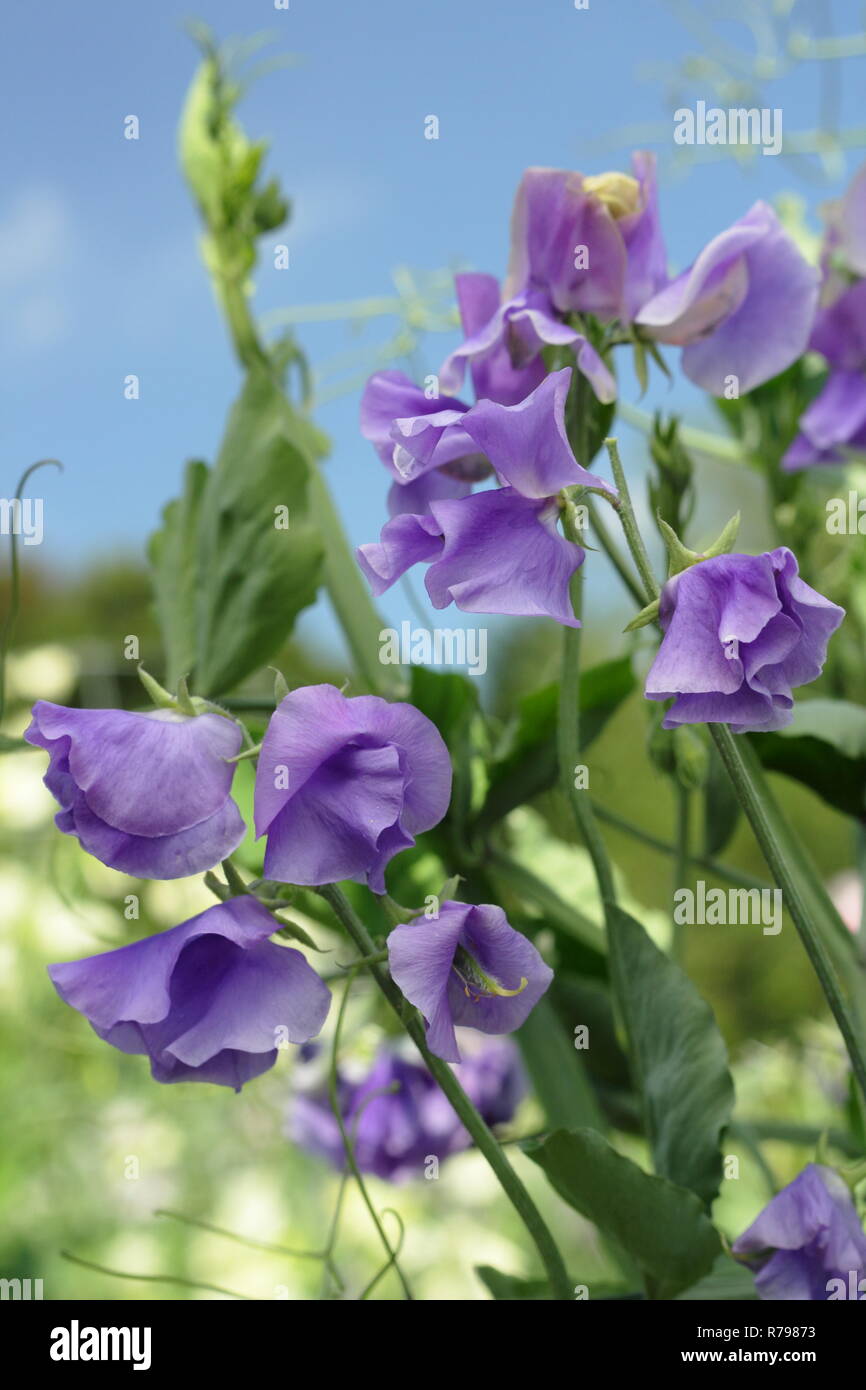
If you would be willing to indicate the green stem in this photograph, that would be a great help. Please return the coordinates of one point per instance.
(15, 582)
(568, 735)
(150, 1278)
(334, 1097)
(460, 1102)
(702, 861)
(267, 1246)
(232, 297)
(611, 550)
(790, 1132)
(630, 527)
(811, 916)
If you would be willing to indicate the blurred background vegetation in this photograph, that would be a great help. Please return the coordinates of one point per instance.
(93, 1149)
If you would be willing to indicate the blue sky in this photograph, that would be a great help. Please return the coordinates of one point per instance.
(99, 271)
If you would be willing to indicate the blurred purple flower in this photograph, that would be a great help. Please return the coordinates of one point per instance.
(745, 309)
(845, 241)
(808, 1235)
(519, 330)
(578, 246)
(418, 436)
(421, 442)
(343, 785)
(467, 966)
(740, 632)
(613, 217)
(397, 1116)
(147, 794)
(498, 551)
(209, 1000)
(836, 419)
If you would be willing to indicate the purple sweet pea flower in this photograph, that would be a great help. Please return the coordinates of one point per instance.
(343, 785)
(614, 216)
(147, 794)
(498, 551)
(398, 1117)
(815, 1236)
(845, 240)
(209, 1000)
(498, 374)
(578, 245)
(744, 309)
(414, 434)
(420, 438)
(740, 632)
(836, 419)
(521, 328)
(467, 966)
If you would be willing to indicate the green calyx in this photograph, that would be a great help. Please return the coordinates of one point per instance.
(852, 1174)
(477, 984)
(681, 558)
(181, 703)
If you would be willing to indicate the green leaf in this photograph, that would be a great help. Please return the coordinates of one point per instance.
(678, 1059)
(172, 552)
(530, 764)
(509, 1288)
(229, 579)
(450, 701)
(663, 1227)
(557, 1071)
(447, 698)
(824, 747)
(727, 1281)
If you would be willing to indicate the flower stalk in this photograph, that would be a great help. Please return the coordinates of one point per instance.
(460, 1102)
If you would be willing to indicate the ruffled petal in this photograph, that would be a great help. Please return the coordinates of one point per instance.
(503, 554)
(187, 852)
(420, 957)
(527, 443)
(146, 774)
(405, 540)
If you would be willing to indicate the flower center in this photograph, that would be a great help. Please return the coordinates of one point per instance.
(477, 984)
(620, 193)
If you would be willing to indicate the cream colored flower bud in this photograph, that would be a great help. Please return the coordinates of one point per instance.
(620, 193)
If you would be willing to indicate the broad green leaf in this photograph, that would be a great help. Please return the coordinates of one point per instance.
(447, 698)
(450, 701)
(173, 555)
(663, 1227)
(230, 576)
(530, 764)
(823, 747)
(678, 1059)
(254, 576)
(727, 1281)
(557, 1071)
